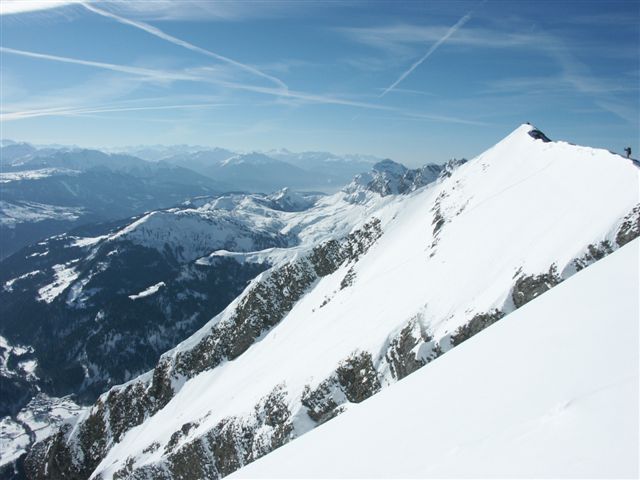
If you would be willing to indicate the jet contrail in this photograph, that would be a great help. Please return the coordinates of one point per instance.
(76, 111)
(144, 72)
(433, 48)
(182, 43)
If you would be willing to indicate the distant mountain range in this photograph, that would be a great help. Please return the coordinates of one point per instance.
(52, 189)
(268, 171)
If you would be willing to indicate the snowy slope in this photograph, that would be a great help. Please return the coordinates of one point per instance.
(550, 391)
(433, 267)
(203, 252)
(147, 284)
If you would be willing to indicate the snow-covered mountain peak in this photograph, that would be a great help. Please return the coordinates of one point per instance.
(374, 291)
(391, 178)
(290, 201)
(389, 167)
(523, 137)
(253, 158)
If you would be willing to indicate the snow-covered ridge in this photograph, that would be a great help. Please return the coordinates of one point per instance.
(65, 275)
(452, 258)
(6, 177)
(247, 222)
(253, 158)
(549, 406)
(14, 213)
(391, 178)
(148, 291)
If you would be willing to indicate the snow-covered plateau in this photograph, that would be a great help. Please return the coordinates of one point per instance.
(374, 283)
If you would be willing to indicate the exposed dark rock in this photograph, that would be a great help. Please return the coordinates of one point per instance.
(272, 412)
(323, 400)
(178, 435)
(232, 442)
(354, 380)
(528, 287)
(326, 257)
(125, 472)
(40, 463)
(192, 461)
(348, 279)
(593, 254)
(110, 418)
(358, 377)
(151, 448)
(390, 178)
(630, 228)
(478, 323)
(402, 353)
(260, 309)
(438, 222)
(272, 298)
(450, 165)
(358, 243)
(538, 135)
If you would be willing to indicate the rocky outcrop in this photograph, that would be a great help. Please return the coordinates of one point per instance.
(538, 135)
(262, 305)
(410, 349)
(270, 299)
(528, 287)
(322, 401)
(478, 323)
(593, 254)
(232, 443)
(630, 227)
(358, 378)
(450, 165)
(391, 178)
(355, 380)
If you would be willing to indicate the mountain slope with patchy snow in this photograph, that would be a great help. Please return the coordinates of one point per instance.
(97, 307)
(332, 325)
(550, 391)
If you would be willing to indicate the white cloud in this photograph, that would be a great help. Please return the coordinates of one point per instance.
(13, 7)
(182, 43)
(71, 111)
(158, 75)
(453, 29)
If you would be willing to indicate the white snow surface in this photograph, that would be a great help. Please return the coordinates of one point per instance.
(6, 177)
(518, 208)
(64, 276)
(147, 292)
(43, 415)
(14, 440)
(8, 350)
(14, 213)
(549, 391)
(8, 285)
(241, 223)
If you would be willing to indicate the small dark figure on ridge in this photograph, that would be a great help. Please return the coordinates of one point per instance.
(628, 152)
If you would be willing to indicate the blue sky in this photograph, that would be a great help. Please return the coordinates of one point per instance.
(414, 81)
